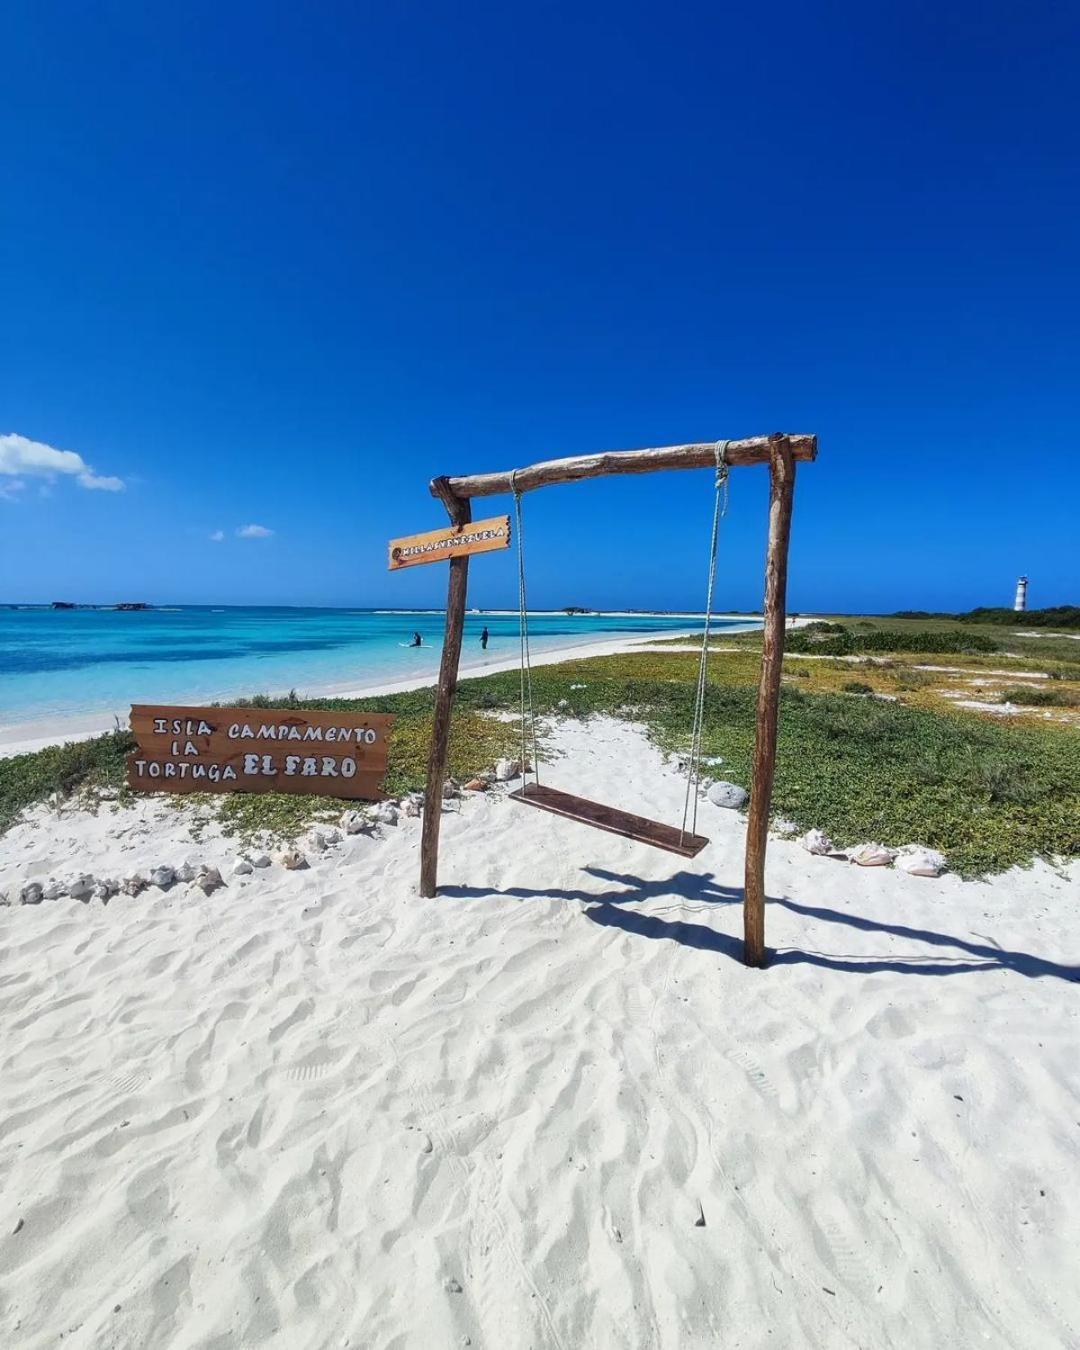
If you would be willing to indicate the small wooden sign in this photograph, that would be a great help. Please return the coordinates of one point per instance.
(331, 754)
(481, 536)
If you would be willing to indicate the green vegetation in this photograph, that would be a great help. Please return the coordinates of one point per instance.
(987, 793)
(1058, 616)
(832, 639)
(1035, 696)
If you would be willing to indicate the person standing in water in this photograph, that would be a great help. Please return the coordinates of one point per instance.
(484, 639)
(417, 640)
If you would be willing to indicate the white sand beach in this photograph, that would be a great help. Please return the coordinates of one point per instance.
(549, 1108)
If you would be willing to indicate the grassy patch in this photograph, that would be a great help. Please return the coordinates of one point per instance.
(1038, 696)
(988, 794)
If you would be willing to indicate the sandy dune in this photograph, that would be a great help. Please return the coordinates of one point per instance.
(314, 1110)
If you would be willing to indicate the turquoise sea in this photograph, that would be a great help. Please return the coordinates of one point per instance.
(58, 663)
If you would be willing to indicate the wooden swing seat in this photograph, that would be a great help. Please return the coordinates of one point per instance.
(609, 818)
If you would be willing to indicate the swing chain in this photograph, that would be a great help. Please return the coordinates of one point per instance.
(693, 780)
(525, 664)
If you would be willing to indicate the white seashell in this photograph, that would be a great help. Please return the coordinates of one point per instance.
(386, 813)
(186, 872)
(208, 879)
(920, 862)
(355, 822)
(260, 860)
(163, 876)
(242, 868)
(80, 887)
(105, 889)
(871, 855)
(506, 769)
(31, 893)
(133, 884)
(293, 860)
(52, 890)
(816, 841)
(413, 807)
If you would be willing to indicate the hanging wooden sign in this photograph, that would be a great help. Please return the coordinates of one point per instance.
(331, 754)
(481, 536)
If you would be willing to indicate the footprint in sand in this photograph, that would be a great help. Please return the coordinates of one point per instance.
(314, 1066)
(300, 1013)
(889, 1024)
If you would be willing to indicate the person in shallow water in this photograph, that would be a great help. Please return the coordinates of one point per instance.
(417, 640)
(484, 639)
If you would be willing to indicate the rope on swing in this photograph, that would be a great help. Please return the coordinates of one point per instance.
(693, 779)
(523, 638)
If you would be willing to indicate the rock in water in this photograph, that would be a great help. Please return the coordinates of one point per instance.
(921, 862)
(728, 795)
(871, 855)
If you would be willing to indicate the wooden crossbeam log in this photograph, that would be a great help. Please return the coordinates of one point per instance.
(697, 455)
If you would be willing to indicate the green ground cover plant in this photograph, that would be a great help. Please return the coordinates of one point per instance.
(987, 794)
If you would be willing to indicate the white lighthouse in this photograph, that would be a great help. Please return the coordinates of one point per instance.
(1020, 603)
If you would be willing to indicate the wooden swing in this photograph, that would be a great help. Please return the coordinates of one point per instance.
(780, 452)
(681, 841)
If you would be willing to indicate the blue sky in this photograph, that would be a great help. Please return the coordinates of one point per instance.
(277, 265)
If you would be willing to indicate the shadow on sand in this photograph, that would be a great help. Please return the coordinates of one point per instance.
(700, 888)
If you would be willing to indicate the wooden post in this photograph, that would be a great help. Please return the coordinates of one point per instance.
(460, 513)
(782, 487)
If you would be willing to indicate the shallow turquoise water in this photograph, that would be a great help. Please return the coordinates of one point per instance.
(60, 662)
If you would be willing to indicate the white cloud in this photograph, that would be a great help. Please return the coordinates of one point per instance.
(217, 536)
(22, 458)
(11, 490)
(253, 532)
(101, 482)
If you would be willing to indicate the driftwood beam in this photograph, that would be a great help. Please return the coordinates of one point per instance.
(698, 455)
(460, 513)
(782, 488)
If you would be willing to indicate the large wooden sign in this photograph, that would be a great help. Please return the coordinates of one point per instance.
(481, 536)
(332, 754)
